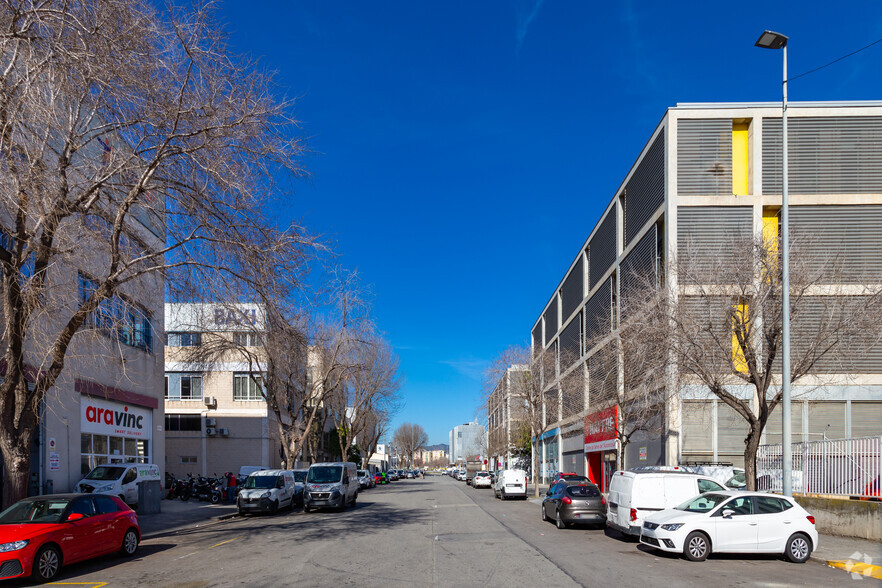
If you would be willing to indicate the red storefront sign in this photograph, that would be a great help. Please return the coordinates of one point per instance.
(600, 430)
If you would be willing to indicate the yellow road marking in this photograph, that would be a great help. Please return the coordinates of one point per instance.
(222, 542)
(857, 567)
(92, 584)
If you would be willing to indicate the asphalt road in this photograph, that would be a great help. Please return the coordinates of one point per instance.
(434, 531)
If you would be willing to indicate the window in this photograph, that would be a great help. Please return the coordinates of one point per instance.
(188, 459)
(183, 422)
(183, 387)
(117, 317)
(105, 504)
(183, 339)
(130, 477)
(248, 339)
(708, 486)
(740, 506)
(770, 505)
(248, 387)
(83, 506)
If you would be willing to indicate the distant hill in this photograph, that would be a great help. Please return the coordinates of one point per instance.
(437, 446)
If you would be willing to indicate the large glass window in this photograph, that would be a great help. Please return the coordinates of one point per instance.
(183, 387)
(183, 339)
(97, 449)
(248, 387)
(248, 339)
(183, 422)
(117, 317)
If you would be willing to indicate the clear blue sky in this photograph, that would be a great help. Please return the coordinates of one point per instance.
(463, 151)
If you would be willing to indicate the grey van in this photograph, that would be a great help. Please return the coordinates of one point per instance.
(331, 485)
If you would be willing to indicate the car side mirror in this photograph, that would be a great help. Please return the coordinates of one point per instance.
(75, 516)
(727, 513)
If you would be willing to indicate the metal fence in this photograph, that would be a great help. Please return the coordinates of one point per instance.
(847, 467)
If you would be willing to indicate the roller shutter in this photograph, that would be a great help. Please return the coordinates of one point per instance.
(697, 419)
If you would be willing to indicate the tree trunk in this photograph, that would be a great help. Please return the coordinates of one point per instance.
(16, 449)
(535, 451)
(750, 450)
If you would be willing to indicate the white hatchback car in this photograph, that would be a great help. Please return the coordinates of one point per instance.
(481, 480)
(733, 522)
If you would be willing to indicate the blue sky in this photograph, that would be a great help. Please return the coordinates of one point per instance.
(461, 152)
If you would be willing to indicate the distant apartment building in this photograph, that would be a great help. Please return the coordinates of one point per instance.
(708, 171)
(505, 418)
(466, 440)
(216, 416)
(381, 458)
(429, 456)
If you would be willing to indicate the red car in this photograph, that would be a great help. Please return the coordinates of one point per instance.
(40, 534)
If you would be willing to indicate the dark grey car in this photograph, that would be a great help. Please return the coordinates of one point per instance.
(568, 504)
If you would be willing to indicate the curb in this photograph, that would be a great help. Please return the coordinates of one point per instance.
(858, 568)
(187, 526)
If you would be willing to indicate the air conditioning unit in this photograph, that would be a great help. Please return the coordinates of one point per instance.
(209, 422)
(224, 431)
(210, 401)
(210, 431)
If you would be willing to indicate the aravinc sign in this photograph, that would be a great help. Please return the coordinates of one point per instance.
(114, 418)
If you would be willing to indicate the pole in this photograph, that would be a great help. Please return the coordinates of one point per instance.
(786, 433)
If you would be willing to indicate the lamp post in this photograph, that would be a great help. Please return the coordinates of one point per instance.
(772, 40)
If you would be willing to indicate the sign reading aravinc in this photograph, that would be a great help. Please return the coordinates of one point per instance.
(114, 418)
(600, 429)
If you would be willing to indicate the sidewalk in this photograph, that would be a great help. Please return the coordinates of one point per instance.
(177, 515)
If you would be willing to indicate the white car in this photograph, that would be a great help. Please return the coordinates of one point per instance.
(481, 480)
(733, 522)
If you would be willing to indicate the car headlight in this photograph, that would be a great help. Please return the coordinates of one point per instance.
(672, 526)
(265, 495)
(335, 492)
(105, 488)
(14, 546)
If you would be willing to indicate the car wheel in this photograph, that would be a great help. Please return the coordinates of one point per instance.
(306, 509)
(47, 564)
(241, 513)
(275, 507)
(560, 522)
(697, 546)
(129, 543)
(544, 516)
(799, 548)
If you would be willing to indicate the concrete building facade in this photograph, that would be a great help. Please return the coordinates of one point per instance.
(505, 418)
(709, 170)
(466, 440)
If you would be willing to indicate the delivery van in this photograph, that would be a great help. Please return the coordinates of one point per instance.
(267, 491)
(119, 479)
(511, 483)
(633, 495)
(331, 485)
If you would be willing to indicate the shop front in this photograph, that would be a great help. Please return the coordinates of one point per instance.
(549, 455)
(113, 432)
(600, 445)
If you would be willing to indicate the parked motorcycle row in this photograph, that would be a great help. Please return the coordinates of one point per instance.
(209, 489)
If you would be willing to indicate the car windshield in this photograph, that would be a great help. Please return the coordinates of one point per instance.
(573, 478)
(34, 511)
(300, 476)
(105, 473)
(262, 482)
(737, 482)
(583, 491)
(324, 474)
(703, 503)
(362, 473)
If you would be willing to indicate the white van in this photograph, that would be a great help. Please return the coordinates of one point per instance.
(633, 495)
(119, 479)
(331, 485)
(267, 491)
(510, 483)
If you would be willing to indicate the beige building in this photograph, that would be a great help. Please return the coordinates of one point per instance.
(216, 417)
(505, 417)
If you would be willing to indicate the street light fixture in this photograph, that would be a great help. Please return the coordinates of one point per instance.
(772, 40)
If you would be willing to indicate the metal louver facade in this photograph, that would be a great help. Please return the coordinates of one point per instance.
(846, 239)
(551, 320)
(705, 235)
(598, 312)
(538, 343)
(827, 155)
(573, 290)
(602, 249)
(645, 191)
(638, 269)
(820, 316)
(571, 342)
(603, 377)
(704, 157)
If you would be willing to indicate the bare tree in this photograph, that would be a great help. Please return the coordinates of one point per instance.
(376, 426)
(410, 438)
(134, 148)
(719, 326)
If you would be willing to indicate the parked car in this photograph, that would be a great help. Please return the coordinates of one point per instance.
(481, 480)
(363, 479)
(380, 478)
(461, 475)
(118, 479)
(567, 503)
(393, 475)
(268, 491)
(40, 534)
(511, 483)
(634, 494)
(409, 475)
(331, 485)
(733, 521)
(570, 477)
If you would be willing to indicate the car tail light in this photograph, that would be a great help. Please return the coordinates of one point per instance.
(811, 519)
(602, 500)
(633, 514)
(567, 500)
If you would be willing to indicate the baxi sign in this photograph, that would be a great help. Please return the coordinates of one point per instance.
(600, 430)
(114, 418)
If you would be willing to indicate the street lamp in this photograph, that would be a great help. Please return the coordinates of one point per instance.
(772, 40)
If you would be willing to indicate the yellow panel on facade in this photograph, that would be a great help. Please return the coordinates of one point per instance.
(740, 159)
(741, 317)
(770, 228)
